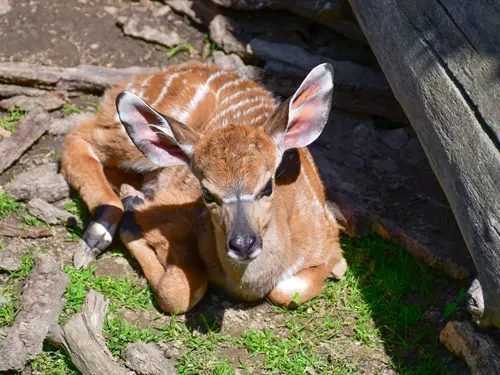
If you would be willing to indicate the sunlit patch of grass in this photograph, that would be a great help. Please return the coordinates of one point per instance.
(9, 121)
(8, 205)
(54, 362)
(32, 221)
(9, 311)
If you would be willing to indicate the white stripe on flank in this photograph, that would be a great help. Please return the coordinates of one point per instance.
(230, 84)
(143, 86)
(167, 85)
(233, 107)
(130, 84)
(193, 103)
(239, 93)
(262, 116)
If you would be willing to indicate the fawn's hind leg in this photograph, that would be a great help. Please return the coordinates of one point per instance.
(307, 284)
(85, 173)
(179, 284)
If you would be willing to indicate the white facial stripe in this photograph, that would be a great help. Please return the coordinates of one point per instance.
(245, 198)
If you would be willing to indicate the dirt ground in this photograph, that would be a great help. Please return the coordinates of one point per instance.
(82, 32)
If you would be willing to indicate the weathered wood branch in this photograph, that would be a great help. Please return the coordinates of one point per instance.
(480, 351)
(441, 60)
(10, 228)
(42, 303)
(357, 88)
(147, 359)
(92, 79)
(82, 337)
(29, 129)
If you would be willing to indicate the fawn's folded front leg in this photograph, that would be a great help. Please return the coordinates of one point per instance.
(84, 172)
(180, 283)
(307, 284)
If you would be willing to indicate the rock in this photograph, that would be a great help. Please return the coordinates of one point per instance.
(222, 31)
(10, 260)
(235, 63)
(49, 102)
(139, 318)
(480, 351)
(395, 139)
(40, 182)
(10, 228)
(8, 91)
(200, 12)
(132, 28)
(357, 88)
(3, 300)
(4, 7)
(49, 213)
(162, 11)
(147, 359)
(114, 266)
(4, 133)
(42, 302)
(336, 15)
(64, 125)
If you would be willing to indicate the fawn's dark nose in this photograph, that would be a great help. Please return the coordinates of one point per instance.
(243, 246)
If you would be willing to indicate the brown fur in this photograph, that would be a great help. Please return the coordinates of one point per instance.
(182, 246)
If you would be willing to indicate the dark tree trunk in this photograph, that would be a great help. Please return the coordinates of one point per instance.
(441, 58)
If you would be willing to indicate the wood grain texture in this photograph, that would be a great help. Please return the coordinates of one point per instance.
(441, 60)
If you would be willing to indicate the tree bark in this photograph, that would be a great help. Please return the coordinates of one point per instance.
(88, 79)
(82, 337)
(27, 132)
(441, 60)
(42, 303)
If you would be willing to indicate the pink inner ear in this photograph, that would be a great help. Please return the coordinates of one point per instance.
(306, 125)
(306, 94)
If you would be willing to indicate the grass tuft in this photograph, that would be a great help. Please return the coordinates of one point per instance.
(8, 205)
(9, 121)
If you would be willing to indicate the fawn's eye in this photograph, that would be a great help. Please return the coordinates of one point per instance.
(209, 198)
(268, 189)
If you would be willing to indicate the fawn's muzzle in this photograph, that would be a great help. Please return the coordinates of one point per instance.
(243, 243)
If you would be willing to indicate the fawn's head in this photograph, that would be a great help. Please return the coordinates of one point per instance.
(235, 165)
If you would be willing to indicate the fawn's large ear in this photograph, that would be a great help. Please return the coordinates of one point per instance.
(300, 120)
(163, 140)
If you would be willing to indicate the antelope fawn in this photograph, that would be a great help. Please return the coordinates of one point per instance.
(229, 193)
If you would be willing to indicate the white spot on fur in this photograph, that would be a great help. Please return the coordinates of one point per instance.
(292, 270)
(167, 84)
(143, 86)
(293, 285)
(92, 153)
(201, 91)
(230, 84)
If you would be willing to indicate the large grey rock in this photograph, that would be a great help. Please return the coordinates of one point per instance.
(40, 182)
(131, 27)
(4, 6)
(64, 125)
(49, 213)
(234, 62)
(222, 31)
(49, 102)
(147, 359)
(10, 260)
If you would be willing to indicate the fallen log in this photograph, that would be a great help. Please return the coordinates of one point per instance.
(441, 60)
(9, 228)
(42, 303)
(333, 14)
(82, 338)
(480, 351)
(27, 132)
(147, 359)
(87, 79)
(357, 88)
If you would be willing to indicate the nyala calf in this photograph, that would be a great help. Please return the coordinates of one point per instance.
(228, 192)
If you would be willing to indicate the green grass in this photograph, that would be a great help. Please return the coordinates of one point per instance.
(376, 308)
(8, 205)
(31, 221)
(213, 45)
(9, 311)
(185, 47)
(77, 207)
(69, 108)
(10, 120)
